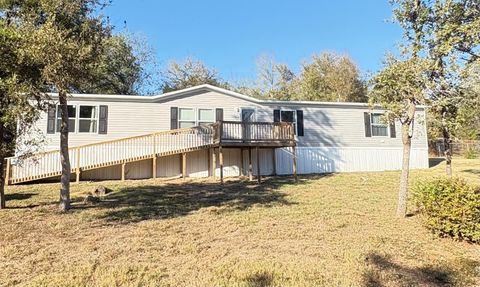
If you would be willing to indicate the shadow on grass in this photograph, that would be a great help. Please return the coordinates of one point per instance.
(472, 171)
(168, 200)
(19, 196)
(384, 272)
(263, 279)
(434, 161)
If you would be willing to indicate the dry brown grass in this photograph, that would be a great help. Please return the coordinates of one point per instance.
(335, 230)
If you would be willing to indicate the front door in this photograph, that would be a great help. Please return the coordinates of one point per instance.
(248, 116)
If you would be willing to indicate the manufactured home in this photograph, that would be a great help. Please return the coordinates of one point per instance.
(209, 131)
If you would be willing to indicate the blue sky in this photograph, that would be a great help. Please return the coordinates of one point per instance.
(230, 35)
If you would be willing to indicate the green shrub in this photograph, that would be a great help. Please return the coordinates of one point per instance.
(471, 153)
(451, 207)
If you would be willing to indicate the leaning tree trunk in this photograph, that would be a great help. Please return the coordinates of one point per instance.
(2, 183)
(64, 156)
(2, 167)
(447, 144)
(403, 192)
(407, 146)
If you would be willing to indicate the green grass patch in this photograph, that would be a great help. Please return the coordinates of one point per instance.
(332, 230)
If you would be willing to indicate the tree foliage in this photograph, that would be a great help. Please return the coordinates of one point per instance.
(274, 80)
(447, 34)
(66, 39)
(189, 73)
(399, 88)
(21, 97)
(327, 77)
(122, 68)
(332, 78)
(399, 85)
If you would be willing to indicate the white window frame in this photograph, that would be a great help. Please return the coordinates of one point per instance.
(382, 124)
(57, 129)
(185, 121)
(207, 109)
(197, 115)
(295, 124)
(254, 109)
(97, 118)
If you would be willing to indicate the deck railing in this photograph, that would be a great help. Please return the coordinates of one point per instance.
(120, 151)
(108, 153)
(254, 132)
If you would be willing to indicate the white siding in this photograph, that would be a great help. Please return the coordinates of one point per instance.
(309, 160)
(334, 138)
(325, 126)
(346, 159)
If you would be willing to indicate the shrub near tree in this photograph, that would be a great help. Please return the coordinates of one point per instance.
(451, 207)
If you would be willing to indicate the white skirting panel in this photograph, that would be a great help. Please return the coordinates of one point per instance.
(347, 159)
(309, 160)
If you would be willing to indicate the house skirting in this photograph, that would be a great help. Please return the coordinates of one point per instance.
(310, 160)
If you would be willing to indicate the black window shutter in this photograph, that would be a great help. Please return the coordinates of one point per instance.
(276, 116)
(219, 115)
(173, 118)
(103, 120)
(393, 133)
(368, 126)
(51, 120)
(300, 123)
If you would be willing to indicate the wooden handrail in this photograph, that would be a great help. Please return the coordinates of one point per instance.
(176, 131)
(148, 146)
(256, 131)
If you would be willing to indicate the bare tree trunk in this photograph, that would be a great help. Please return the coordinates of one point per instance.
(2, 182)
(403, 192)
(64, 156)
(6, 141)
(407, 145)
(3, 151)
(447, 144)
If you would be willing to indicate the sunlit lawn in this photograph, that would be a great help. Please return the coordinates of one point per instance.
(333, 230)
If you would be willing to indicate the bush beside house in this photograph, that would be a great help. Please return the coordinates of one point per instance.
(451, 207)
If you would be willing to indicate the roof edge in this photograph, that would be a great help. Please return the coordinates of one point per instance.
(207, 87)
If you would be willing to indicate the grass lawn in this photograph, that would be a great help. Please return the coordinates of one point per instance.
(332, 230)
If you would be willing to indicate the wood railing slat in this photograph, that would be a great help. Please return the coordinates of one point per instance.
(112, 152)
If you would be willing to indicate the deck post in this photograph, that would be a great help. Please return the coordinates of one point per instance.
(8, 172)
(209, 162)
(77, 170)
(259, 177)
(294, 159)
(123, 171)
(214, 164)
(154, 158)
(220, 157)
(244, 131)
(242, 166)
(250, 167)
(154, 167)
(274, 162)
(184, 165)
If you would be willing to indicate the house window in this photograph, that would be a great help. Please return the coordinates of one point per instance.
(72, 113)
(206, 116)
(186, 118)
(88, 119)
(248, 115)
(379, 127)
(289, 117)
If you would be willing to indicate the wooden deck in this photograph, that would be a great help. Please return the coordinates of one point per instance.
(244, 134)
(151, 146)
